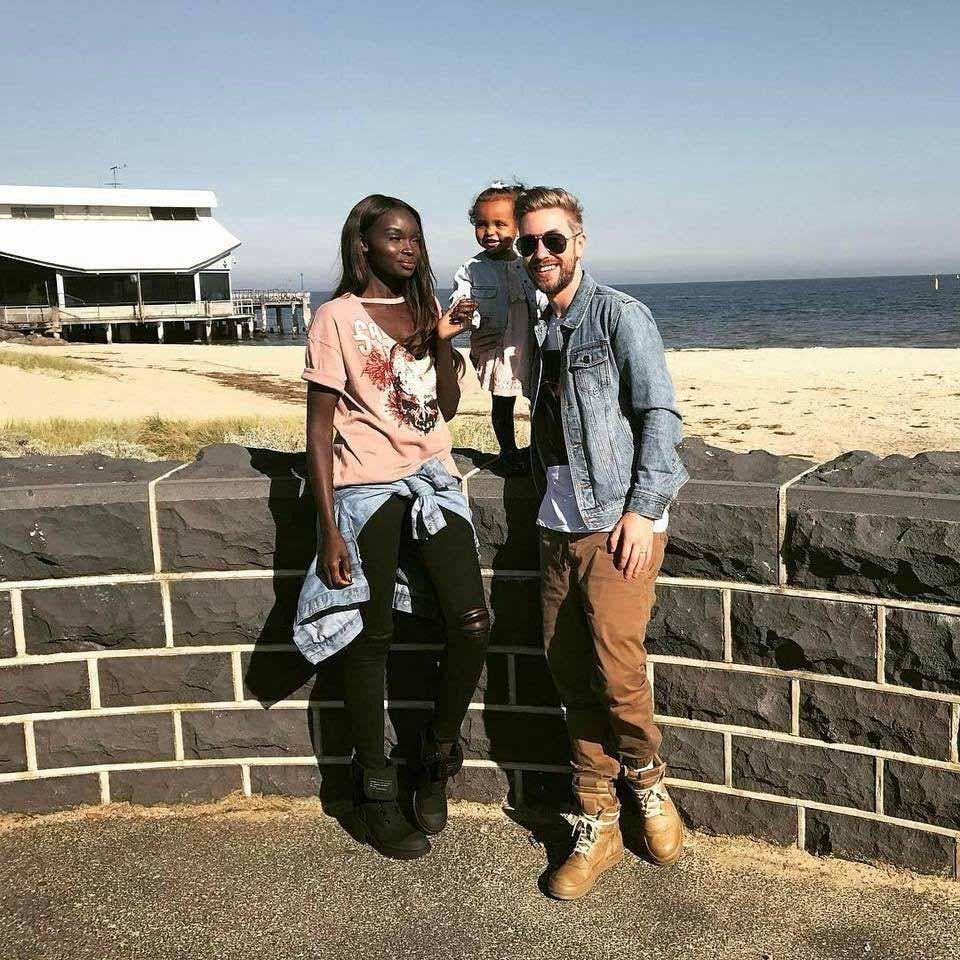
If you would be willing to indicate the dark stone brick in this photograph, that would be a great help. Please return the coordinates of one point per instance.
(93, 618)
(724, 530)
(190, 678)
(183, 785)
(547, 789)
(870, 841)
(85, 469)
(59, 518)
(804, 772)
(514, 605)
(722, 696)
(246, 733)
(270, 676)
(720, 813)
(40, 542)
(48, 794)
(79, 741)
(288, 781)
(13, 755)
(41, 687)
(412, 675)
(933, 472)
(686, 622)
(923, 650)
(480, 784)
(237, 508)
(504, 515)
(706, 462)
(535, 686)
(879, 543)
(692, 754)
(872, 718)
(924, 794)
(224, 612)
(7, 644)
(801, 633)
(515, 737)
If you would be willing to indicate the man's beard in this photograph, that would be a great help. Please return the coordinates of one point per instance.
(564, 277)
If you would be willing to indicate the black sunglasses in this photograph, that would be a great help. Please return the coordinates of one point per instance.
(553, 240)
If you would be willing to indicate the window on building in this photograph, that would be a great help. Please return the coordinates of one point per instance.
(23, 285)
(99, 289)
(167, 287)
(215, 285)
(173, 213)
(31, 213)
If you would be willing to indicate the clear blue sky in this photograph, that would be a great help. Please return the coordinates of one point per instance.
(707, 140)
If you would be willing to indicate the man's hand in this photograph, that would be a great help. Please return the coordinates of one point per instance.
(631, 542)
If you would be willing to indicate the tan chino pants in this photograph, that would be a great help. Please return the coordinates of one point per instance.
(594, 624)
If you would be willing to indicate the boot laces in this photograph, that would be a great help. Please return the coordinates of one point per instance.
(587, 834)
(651, 800)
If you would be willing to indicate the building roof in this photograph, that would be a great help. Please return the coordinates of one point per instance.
(105, 197)
(121, 246)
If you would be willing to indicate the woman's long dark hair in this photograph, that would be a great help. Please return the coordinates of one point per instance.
(419, 290)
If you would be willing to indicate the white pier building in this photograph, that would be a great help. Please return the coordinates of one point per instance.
(124, 261)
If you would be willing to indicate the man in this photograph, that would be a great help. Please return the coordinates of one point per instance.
(605, 435)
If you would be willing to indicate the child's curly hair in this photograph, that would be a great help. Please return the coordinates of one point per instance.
(497, 189)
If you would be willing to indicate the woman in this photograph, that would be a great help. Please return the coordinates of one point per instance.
(383, 376)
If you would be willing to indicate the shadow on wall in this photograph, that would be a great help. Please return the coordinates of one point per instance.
(275, 673)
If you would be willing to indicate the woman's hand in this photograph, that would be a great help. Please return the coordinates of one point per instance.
(333, 560)
(456, 319)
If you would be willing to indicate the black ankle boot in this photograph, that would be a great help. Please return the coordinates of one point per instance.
(432, 768)
(386, 828)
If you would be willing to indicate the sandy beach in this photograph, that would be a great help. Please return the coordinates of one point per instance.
(816, 402)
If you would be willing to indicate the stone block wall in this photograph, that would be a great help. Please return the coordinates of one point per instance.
(805, 649)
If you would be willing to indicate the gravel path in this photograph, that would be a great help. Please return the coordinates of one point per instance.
(291, 883)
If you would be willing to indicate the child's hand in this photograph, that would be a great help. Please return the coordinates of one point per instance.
(456, 319)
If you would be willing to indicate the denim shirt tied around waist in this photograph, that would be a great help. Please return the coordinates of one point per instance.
(328, 618)
(621, 424)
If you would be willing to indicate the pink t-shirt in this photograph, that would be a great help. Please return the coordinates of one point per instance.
(388, 421)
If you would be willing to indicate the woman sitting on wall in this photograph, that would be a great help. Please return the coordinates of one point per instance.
(383, 379)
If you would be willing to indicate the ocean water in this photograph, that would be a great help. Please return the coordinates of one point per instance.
(842, 312)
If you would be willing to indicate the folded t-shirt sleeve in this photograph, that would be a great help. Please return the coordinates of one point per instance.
(324, 355)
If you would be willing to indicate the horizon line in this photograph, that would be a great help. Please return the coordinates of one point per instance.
(656, 283)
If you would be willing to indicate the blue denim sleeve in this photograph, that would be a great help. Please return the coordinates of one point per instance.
(647, 399)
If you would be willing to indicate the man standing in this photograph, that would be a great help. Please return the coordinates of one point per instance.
(605, 435)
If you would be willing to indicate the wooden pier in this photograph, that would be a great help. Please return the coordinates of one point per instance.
(258, 304)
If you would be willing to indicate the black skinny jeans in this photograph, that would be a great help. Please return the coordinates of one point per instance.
(450, 560)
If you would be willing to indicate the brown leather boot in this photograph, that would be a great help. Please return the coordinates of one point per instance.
(662, 827)
(598, 843)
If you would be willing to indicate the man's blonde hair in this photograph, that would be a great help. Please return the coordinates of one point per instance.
(549, 198)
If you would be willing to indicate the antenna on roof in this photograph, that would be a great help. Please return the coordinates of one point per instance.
(115, 169)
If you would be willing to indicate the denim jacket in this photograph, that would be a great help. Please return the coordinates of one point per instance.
(328, 618)
(620, 419)
(480, 278)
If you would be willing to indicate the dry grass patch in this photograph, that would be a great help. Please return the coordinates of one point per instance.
(52, 366)
(164, 438)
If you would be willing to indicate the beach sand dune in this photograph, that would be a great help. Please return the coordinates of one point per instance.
(816, 402)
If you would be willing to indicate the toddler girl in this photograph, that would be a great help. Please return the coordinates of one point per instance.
(508, 304)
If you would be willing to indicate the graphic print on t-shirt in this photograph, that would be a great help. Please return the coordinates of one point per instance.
(409, 385)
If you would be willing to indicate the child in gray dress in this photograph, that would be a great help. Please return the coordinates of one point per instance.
(508, 304)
